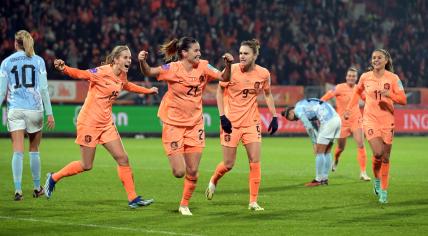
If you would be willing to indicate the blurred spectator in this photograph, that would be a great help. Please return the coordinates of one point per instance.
(302, 42)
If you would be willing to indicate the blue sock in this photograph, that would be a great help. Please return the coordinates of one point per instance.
(319, 164)
(35, 168)
(327, 164)
(17, 170)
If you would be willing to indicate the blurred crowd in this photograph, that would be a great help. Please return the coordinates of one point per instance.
(302, 42)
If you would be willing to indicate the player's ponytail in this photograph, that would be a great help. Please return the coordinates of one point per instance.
(25, 42)
(389, 66)
(254, 44)
(115, 54)
(172, 49)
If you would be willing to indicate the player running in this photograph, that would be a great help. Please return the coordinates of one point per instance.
(343, 93)
(95, 122)
(183, 134)
(383, 88)
(23, 77)
(240, 118)
(307, 111)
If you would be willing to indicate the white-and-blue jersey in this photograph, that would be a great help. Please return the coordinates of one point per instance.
(311, 109)
(24, 79)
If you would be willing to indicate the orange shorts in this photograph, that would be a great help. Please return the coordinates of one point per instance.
(91, 136)
(350, 126)
(183, 139)
(250, 134)
(374, 131)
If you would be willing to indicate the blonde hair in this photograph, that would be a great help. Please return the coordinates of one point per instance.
(25, 41)
(172, 49)
(254, 44)
(115, 54)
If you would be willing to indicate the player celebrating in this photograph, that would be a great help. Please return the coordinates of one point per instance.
(95, 123)
(383, 88)
(343, 93)
(23, 76)
(240, 118)
(183, 134)
(313, 109)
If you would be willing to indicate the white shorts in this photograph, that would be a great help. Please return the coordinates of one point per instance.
(29, 120)
(329, 131)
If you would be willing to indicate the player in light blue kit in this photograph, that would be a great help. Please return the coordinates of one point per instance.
(322, 124)
(23, 77)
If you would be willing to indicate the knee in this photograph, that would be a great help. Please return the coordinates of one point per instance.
(378, 154)
(122, 159)
(339, 149)
(229, 165)
(192, 171)
(178, 173)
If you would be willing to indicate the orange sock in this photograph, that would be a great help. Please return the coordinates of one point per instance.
(362, 157)
(73, 168)
(189, 187)
(125, 175)
(337, 153)
(219, 172)
(384, 178)
(254, 181)
(376, 164)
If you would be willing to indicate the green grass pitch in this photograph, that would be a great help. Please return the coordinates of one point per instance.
(94, 203)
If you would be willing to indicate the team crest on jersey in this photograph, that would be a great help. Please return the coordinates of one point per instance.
(93, 70)
(256, 85)
(370, 132)
(174, 145)
(88, 138)
(166, 66)
(387, 86)
(227, 138)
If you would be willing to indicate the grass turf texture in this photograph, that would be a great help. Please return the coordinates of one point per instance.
(94, 203)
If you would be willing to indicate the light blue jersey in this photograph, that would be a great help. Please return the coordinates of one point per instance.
(311, 109)
(25, 80)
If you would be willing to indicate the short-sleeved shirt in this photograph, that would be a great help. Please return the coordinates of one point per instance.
(104, 87)
(240, 95)
(182, 103)
(373, 87)
(343, 93)
(24, 77)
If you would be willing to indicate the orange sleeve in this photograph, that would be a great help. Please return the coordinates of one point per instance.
(327, 96)
(131, 87)
(212, 72)
(76, 73)
(363, 96)
(357, 94)
(397, 94)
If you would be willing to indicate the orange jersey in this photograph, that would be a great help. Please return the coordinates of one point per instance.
(343, 93)
(240, 95)
(374, 113)
(104, 87)
(182, 103)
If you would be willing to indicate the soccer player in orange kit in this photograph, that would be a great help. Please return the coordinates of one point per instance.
(343, 93)
(383, 88)
(95, 123)
(183, 134)
(240, 117)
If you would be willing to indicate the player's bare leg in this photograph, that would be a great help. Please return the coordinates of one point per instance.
(229, 157)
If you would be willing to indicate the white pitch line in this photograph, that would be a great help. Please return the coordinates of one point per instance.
(96, 226)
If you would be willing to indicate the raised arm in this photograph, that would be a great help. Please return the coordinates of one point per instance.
(131, 87)
(228, 59)
(145, 68)
(70, 71)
